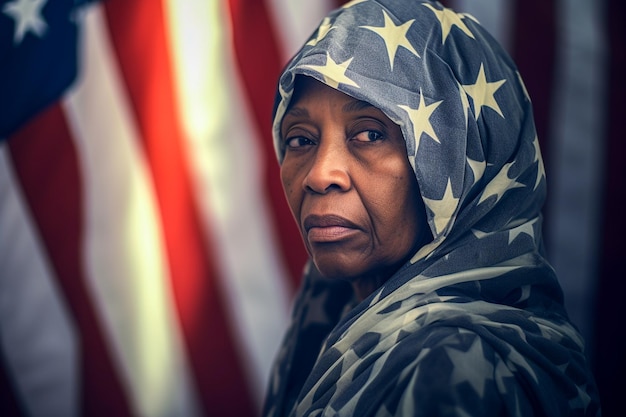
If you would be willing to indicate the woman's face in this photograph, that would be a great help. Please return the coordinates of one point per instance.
(350, 187)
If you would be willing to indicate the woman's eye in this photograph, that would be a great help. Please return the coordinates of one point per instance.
(297, 142)
(369, 136)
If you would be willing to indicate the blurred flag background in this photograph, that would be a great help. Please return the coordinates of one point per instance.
(147, 257)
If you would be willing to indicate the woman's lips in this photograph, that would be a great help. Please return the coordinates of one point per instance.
(328, 228)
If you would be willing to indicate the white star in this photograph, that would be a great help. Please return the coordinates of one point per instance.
(582, 400)
(420, 119)
(500, 184)
(443, 209)
(526, 228)
(478, 168)
(322, 31)
(334, 73)
(383, 411)
(541, 172)
(525, 295)
(563, 367)
(352, 3)
(469, 16)
(480, 234)
(449, 18)
(516, 361)
(423, 354)
(471, 367)
(482, 92)
(394, 36)
(464, 102)
(502, 372)
(27, 17)
(347, 362)
(412, 161)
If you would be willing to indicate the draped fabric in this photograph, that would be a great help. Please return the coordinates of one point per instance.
(474, 323)
(141, 266)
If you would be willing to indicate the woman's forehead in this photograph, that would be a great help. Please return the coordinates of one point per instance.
(308, 87)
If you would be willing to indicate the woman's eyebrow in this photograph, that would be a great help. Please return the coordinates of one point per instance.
(356, 105)
(297, 112)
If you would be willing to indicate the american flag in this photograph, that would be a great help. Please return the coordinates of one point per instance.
(147, 257)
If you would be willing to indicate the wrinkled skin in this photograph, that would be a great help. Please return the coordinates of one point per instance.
(350, 186)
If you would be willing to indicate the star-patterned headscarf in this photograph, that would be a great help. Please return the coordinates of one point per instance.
(474, 324)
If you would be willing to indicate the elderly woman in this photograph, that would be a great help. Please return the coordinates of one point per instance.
(410, 162)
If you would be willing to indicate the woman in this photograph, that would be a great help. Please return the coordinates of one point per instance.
(410, 162)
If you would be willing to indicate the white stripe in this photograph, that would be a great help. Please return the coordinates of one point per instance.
(228, 172)
(37, 337)
(124, 255)
(576, 151)
(494, 15)
(295, 21)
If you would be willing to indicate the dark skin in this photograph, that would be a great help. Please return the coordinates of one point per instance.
(350, 186)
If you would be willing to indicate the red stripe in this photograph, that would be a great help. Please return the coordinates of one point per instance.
(610, 348)
(260, 64)
(534, 52)
(47, 168)
(138, 34)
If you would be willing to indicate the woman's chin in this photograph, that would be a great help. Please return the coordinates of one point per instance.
(363, 281)
(334, 271)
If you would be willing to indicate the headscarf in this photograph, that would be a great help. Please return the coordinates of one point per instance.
(474, 323)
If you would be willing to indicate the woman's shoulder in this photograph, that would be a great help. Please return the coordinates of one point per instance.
(451, 370)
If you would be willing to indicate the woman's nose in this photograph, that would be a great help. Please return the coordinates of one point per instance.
(329, 169)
